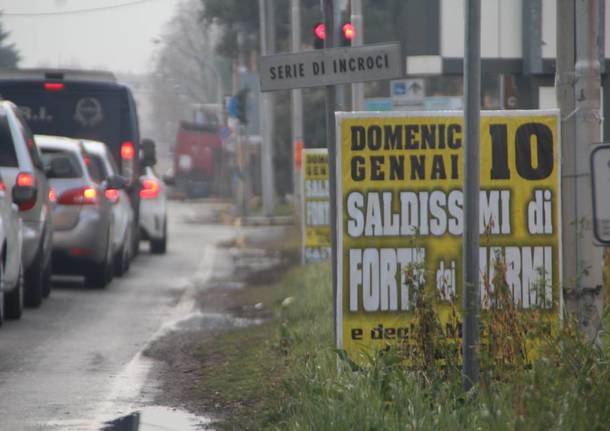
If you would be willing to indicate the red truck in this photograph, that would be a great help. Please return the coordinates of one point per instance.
(197, 158)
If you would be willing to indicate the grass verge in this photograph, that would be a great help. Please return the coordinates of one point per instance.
(283, 375)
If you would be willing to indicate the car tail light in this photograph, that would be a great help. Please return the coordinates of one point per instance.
(150, 189)
(52, 195)
(112, 195)
(53, 86)
(128, 154)
(79, 196)
(2, 186)
(25, 179)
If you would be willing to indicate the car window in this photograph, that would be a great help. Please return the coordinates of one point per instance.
(96, 167)
(28, 136)
(8, 156)
(64, 164)
(111, 165)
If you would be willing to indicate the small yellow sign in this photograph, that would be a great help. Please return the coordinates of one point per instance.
(399, 195)
(316, 206)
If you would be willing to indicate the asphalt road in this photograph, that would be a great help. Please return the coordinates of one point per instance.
(76, 361)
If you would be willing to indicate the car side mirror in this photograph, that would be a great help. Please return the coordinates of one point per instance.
(149, 152)
(169, 180)
(116, 182)
(23, 196)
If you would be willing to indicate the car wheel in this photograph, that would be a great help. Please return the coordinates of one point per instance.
(100, 274)
(34, 282)
(13, 301)
(46, 280)
(159, 246)
(1, 293)
(122, 259)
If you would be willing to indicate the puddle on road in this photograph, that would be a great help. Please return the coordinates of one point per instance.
(159, 418)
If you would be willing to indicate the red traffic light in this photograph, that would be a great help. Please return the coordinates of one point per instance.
(320, 31)
(349, 32)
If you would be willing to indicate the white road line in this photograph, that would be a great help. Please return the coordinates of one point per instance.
(128, 384)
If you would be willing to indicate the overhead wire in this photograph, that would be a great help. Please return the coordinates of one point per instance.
(73, 11)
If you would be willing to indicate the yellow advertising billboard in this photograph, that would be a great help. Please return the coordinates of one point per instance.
(400, 219)
(316, 207)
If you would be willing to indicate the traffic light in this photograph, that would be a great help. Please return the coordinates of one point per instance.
(242, 105)
(319, 34)
(348, 32)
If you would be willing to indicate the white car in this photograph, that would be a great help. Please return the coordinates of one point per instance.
(121, 208)
(11, 269)
(153, 211)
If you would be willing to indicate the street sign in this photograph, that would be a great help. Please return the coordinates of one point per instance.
(600, 176)
(378, 104)
(408, 91)
(330, 66)
(400, 224)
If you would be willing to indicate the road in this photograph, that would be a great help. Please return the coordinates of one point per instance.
(76, 361)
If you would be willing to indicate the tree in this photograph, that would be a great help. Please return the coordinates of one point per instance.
(9, 56)
(187, 71)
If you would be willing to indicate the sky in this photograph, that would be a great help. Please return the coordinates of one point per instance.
(60, 33)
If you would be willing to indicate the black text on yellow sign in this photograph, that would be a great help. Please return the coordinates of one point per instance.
(316, 208)
(400, 179)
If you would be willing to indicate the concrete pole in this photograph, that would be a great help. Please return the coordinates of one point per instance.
(358, 40)
(587, 85)
(338, 7)
(297, 107)
(267, 35)
(564, 85)
(472, 113)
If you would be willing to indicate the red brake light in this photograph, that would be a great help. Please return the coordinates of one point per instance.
(79, 196)
(52, 195)
(128, 151)
(112, 195)
(25, 180)
(2, 186)
(53, 86)
(150, 189)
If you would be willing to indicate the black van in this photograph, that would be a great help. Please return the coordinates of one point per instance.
(81, 104)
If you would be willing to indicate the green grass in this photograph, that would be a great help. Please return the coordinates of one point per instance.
(284, 375)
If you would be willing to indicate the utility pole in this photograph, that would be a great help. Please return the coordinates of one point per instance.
(267, 35)
(472, 114)
(358, 40)
(329, 42)
(297, 107)
(586, 294)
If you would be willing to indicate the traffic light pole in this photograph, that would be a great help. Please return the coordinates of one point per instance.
(332, 154)
(358, 40)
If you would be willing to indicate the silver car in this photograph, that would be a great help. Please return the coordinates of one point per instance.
(21, 166)
(11, 270)
(82, 216)
(121, 208)
(153, 211)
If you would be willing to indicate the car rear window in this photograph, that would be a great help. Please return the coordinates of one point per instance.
(97, 169)
(8, 157)
(65, 163)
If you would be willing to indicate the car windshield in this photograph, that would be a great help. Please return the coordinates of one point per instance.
(63, 164)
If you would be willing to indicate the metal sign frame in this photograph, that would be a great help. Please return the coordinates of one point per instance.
(596, 231)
